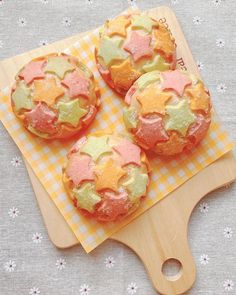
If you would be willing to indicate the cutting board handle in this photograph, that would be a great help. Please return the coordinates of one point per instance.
(159, 239)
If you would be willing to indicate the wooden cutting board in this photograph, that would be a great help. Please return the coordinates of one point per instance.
(161, 232)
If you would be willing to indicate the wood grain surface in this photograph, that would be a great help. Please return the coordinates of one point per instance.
(161, 232)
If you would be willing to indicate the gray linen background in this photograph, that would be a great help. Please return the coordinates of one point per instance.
(29, 263)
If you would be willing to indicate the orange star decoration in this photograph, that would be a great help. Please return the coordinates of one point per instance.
(47, 91)
(153, 100)
(164, 42)
(124, 75)
(118, 26)
(200, 100)
(174, 145)
(108, 175)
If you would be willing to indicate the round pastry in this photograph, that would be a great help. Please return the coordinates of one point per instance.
(168, 112)
(106, 176)
(131, 45)
(55, 96)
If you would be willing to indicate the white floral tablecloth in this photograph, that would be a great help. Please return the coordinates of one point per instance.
(29, 263)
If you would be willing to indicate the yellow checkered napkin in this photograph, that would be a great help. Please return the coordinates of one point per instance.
(47, 158)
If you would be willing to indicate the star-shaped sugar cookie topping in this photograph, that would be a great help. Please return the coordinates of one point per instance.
(42, 118)
(21, 98)
(138, 46)
(147, 79)
(157, 64)
(59, 66)
(199, 99)
(136, 184)
(110, 52)
(153, 100)
(124, 75)
(118, 26)
(164, 43)
(143, 22)
(33, 70)
(130, 117)
(199, 129)
(71, 112)
(96, 146)
(150, 131)
(174, 145)
(113, 205)
(180, 117)
(77, 84)
(79, 168)
(86, 197)
(129, 152)
(47, 91)
(176, 81)
(108, 175)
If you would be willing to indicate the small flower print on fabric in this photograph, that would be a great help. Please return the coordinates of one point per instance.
(132, 3)
(220, 43)
(197, 20)
(37, 238)
(200, 65)
(44, 1)
(221, 88)
(43, 42)
(216, 3)
(34, 291)
(84, 289)
(204, 259)
(1, 42)
(204, 207)
(89, 1)
(228, 233)
(1, 2)
(66, 21)
(174, 2)
(10, 266)
(22, 22)
(132, 288)
(228, 285)
(13, 212)
(16, 161)
(109, 262)
(61, 263)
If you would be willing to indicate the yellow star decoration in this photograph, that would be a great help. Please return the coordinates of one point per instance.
(199, 99)
(21, 98)
(58, 65)
(143, 22)
(158, 64)
(118, 26)
(47, 91)
(174, 145)
(164, 42)
(153, 100)
(124, 75)
(108, 175)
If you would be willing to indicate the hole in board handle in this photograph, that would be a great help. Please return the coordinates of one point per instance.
(172, 269)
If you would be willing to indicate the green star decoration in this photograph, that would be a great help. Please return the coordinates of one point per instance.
(96, 146)
(143, 22)
(59, 66)
(21, 98)
(86, 197)
(109, 51)
(180, 117)
(157, 64)
(70, 112)
(137, 184)
(147, 79)
(130, 118)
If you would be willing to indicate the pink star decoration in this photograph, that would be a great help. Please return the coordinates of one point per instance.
(113, 205)
(150, 132)
(33, 70)
(79, 168)
(42, 118)
(139, 46)
(175, 80)
(77, 84)
(129, 152)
